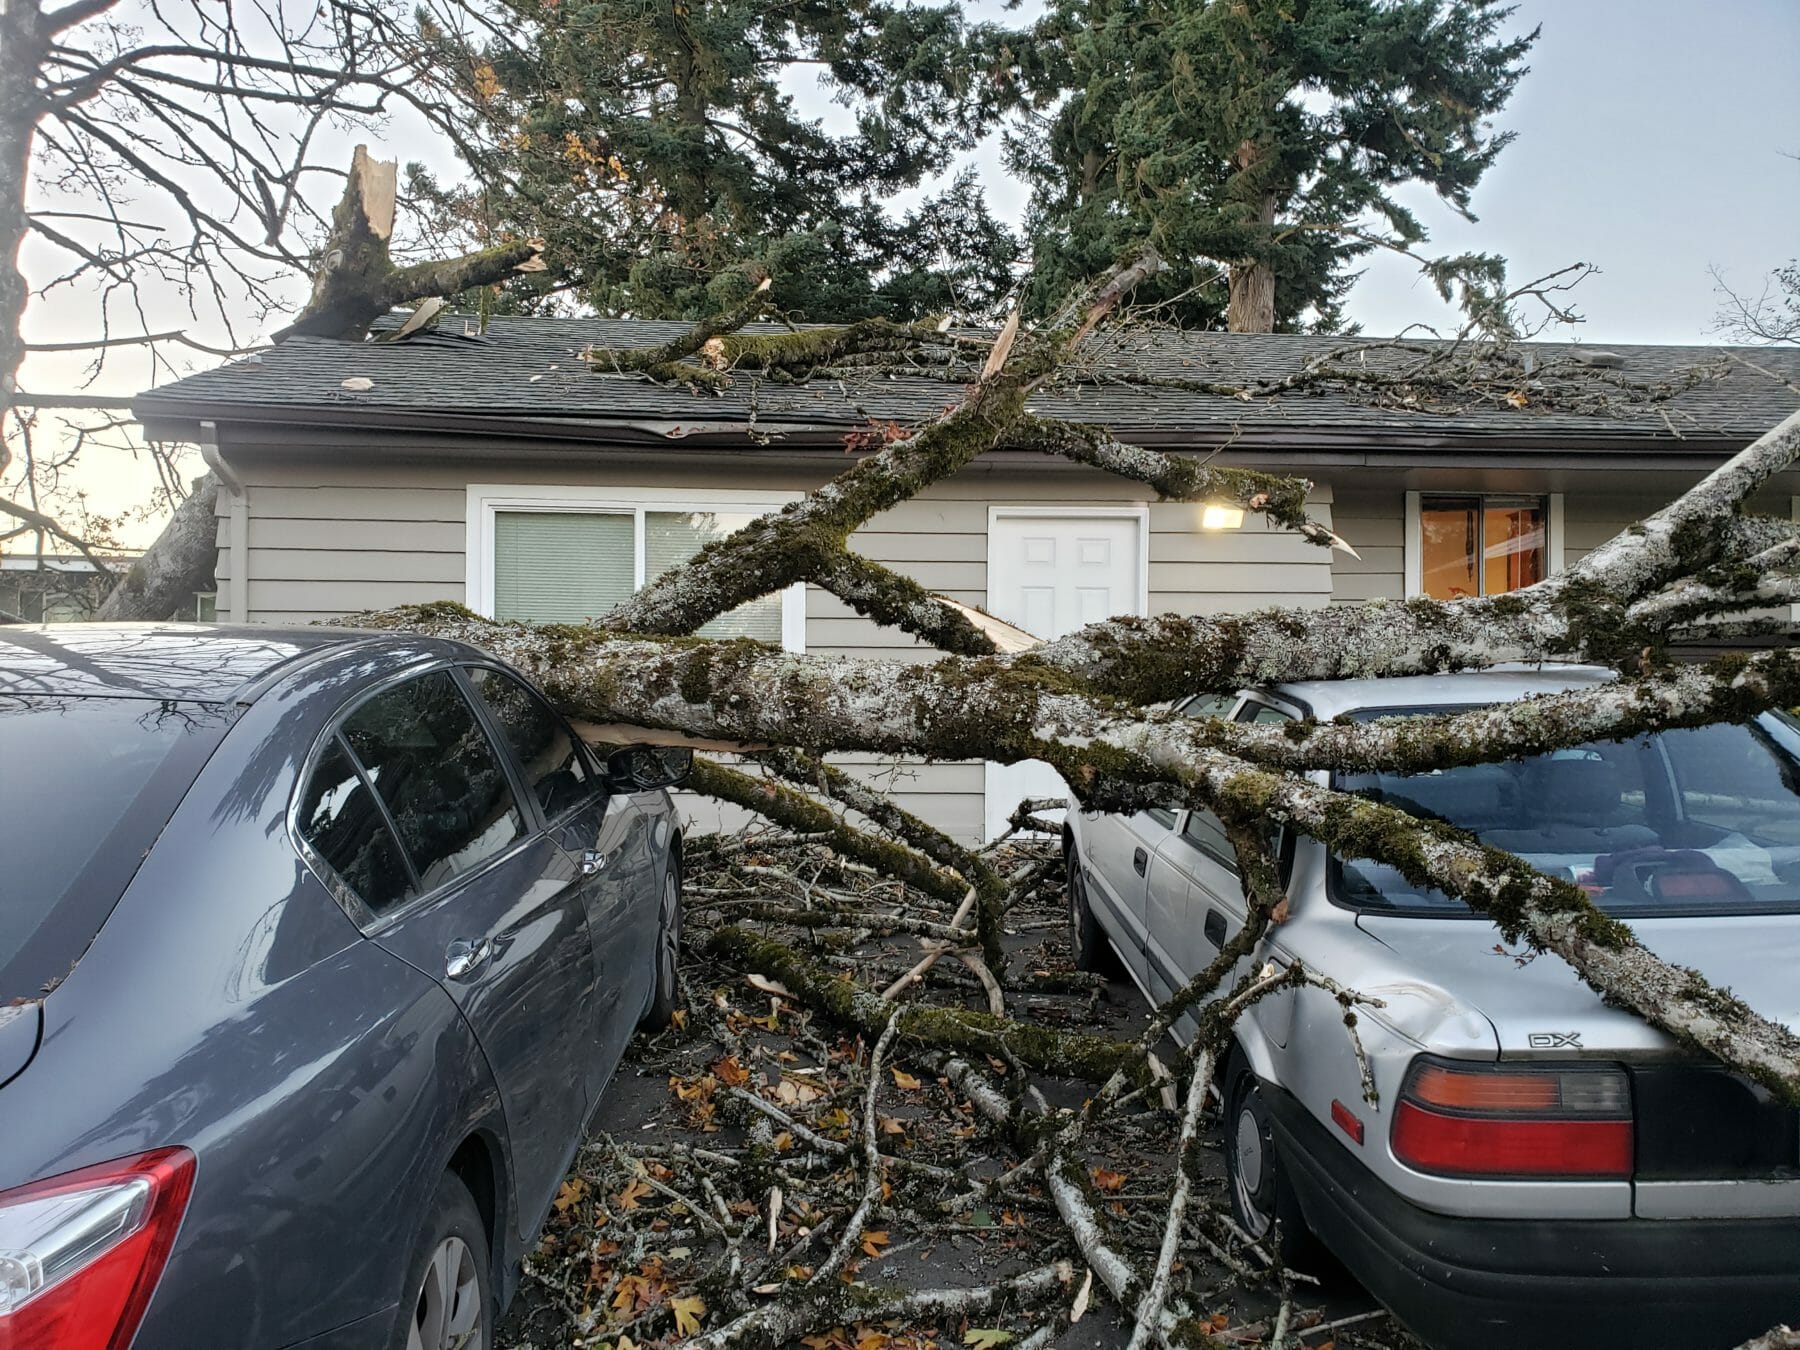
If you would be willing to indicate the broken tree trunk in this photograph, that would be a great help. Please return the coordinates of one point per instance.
(176, 566)
(358, 282)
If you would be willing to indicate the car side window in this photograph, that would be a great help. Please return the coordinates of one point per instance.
(1261, 714)
(442, 782)
(555, 769)
(1162, 816)
(1206, 832)
(342, 821)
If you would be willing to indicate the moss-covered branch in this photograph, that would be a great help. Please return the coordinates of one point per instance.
(805, 815)
(992, 709)
(878, 807)
(1065, 1054)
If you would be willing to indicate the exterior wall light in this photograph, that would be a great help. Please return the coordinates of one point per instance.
(1216, 517)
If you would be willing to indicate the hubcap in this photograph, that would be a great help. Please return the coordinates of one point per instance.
(1248, 1151)
(447, 1312)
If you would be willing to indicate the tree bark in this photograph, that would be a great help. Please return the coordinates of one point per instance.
(1251, 308)
(22, 41)
(357, 281)
(181, 562)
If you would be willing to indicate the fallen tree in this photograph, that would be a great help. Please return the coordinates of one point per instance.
(1087, 704)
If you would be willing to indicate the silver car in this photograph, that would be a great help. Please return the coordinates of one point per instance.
(1537, 1168)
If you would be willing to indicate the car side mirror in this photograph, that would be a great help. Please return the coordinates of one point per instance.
(640, 768)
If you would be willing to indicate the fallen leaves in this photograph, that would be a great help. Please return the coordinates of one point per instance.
(689, 1311)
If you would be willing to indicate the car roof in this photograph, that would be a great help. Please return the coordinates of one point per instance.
(195, 663)
(1325, 699)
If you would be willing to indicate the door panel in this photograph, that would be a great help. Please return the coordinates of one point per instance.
(1119, 851)
(604, 842)
(501, 925)
(510, 944)
(1050, 575)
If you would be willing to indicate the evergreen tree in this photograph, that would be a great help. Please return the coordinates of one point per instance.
(1257, 143)
(654, 145)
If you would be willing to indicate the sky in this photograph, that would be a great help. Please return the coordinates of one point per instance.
(1655, 140)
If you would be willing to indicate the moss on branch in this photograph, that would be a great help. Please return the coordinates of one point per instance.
(1042, 1049)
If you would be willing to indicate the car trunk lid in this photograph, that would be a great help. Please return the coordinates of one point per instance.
(1709, 1142)
(21, 1027)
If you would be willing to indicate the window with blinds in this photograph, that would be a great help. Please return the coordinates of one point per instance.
(571, 566)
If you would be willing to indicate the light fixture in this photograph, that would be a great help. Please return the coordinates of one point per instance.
(1214, 516)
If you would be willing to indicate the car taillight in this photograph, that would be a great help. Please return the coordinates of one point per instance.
(1562, 1121)
(80, 1253)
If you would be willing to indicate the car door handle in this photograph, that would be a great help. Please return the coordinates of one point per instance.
(593, 861)
(1214, 928)
(1139, 861)
(463, 957)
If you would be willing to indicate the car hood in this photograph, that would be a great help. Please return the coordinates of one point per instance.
(1539, 1005)
(21, 1027)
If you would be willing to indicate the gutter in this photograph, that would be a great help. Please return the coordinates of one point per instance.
(237, 513)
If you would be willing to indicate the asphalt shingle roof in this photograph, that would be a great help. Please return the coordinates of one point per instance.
(530, 369)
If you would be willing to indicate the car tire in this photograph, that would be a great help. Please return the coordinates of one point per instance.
(447, 1302)
(1088, 945)
(665, 998)
(1261, 1195)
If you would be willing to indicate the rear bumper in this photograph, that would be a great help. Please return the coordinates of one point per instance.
(1488, 1284)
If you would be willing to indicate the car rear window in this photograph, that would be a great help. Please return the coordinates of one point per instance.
(87, 786)
(1704, 820)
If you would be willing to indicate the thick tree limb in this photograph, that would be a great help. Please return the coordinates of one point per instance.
(357, 281)
(990, 709)
(804, 815)
(178, 564)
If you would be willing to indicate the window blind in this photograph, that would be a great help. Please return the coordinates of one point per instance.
(672, 537)
(561, 566)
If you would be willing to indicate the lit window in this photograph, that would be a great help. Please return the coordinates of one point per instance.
(1481, 545)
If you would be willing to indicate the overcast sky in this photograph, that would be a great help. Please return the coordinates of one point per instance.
(1654, 140)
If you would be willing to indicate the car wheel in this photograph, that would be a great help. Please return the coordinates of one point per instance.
(667, 996)
(448, 1302)
(1087, 940)
(1261, 1196)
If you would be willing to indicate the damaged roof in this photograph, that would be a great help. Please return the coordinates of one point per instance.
(526, 375)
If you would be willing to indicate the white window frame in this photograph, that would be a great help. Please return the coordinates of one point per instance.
(1415, 548)
(486, 500)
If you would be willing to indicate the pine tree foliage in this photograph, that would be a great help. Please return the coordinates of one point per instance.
(660, 152)
(1260, 145)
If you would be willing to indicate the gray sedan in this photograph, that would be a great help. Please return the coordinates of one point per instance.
(317, 950)
(1534, 1167)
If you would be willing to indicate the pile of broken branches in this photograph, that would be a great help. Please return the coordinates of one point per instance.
(803, 1179)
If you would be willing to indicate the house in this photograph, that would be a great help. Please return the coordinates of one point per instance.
(497, 469)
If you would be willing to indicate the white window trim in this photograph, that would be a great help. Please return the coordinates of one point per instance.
(1139, 512)
(485, 500)
(1415, 553)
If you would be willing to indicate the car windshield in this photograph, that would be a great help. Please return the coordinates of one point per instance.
(1697, 821)
(88, 785)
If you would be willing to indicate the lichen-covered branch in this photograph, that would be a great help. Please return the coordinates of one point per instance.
(1041, 1049)
(883, 811)
(805, 815)
(991, 709)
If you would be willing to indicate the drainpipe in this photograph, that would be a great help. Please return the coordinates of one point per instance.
(237, 517)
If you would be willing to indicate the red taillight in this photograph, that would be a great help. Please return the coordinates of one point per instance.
(80, 1254)
(1554, 1120)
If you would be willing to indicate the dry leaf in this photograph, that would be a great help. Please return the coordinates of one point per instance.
(768, 986)
(569, 1193)
(688, 1312)
(634, 1192)
(873, 1240)
(1078, 1309)
(905, 1080)
(1108, 1180)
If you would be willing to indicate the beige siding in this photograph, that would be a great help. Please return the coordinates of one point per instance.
(329, 539)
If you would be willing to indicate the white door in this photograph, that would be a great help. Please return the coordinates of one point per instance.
(1050, 574)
